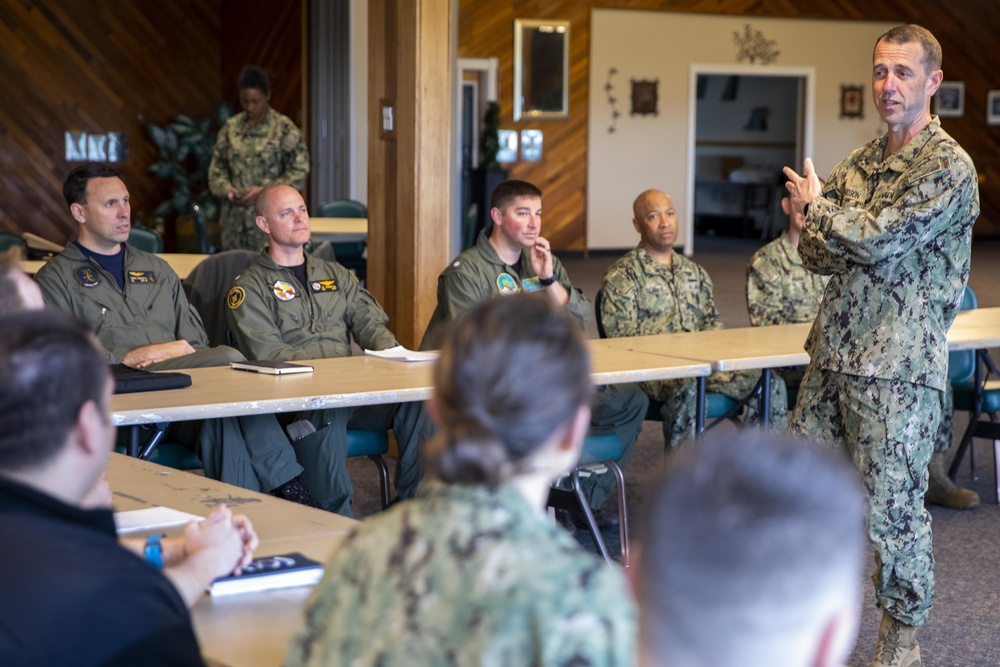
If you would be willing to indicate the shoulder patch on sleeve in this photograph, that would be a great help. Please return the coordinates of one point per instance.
(619, 282)
(235, 297)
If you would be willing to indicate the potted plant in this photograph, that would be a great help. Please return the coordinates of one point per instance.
(185, 147)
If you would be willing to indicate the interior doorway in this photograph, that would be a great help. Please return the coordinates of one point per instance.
(476, 85)
(745, 123)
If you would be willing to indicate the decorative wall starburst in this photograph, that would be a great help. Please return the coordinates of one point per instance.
(753, 47)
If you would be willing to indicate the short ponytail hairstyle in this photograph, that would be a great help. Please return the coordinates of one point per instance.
(513, 371)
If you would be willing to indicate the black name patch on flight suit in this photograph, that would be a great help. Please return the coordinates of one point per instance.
(324, 285)
(141, 277)
(87, 276)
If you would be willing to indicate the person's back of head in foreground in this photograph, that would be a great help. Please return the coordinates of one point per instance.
(495, 419)
(53, 385)
(751, 556)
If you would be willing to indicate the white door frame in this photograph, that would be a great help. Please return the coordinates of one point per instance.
(806, 121)
(488, 71)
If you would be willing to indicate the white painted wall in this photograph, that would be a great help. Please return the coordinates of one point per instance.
(651, 151)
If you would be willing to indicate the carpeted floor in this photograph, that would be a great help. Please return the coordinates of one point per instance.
(962, 631)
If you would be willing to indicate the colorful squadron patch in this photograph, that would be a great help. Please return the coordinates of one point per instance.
(235, 297)
(506, 284)
(531, 284)
(284, 291)
(324, 286)
(87, 276)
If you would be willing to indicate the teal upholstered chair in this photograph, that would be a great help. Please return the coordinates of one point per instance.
(349, 253)
(372, 444)
(145, 238)
(970, 372)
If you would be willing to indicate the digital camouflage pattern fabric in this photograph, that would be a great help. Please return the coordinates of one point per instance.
(779, 289)
(466, 576)
(894, 233)
(641, 297)
(271, 152)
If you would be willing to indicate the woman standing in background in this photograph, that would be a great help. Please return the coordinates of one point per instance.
(254, 148)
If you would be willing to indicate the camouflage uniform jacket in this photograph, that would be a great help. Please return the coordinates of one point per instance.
(895, 234)
(273, 316)
(779, 289)
(641, 297)
(270, 152)
(465, 575)
(478, 274)
(151, 309)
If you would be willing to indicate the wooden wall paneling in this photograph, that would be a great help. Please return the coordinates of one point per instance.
(98, 66)
(967, 31)
(408, 184)
(270, 35)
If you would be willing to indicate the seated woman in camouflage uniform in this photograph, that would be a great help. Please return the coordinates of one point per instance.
(472, 571)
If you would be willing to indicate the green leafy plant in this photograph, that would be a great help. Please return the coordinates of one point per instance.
(489, 140)
(185, 147)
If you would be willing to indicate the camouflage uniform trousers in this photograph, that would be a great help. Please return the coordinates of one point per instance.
(946, 429)
(679, 401)
(888, 427)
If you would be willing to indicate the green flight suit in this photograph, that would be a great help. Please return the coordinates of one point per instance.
(250, 451)
(273, 316)
(478, 274)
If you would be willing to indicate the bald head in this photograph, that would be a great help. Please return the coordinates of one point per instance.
(642, 201)
(656, 221)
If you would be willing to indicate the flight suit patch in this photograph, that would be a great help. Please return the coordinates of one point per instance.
(87, 276)
(284, 291)
(506, 284)
(235, 297)
(531, 284)
(324, 285)
(141, 277)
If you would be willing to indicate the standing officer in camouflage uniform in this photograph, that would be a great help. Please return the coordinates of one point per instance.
(515, 258)
(653, 290)
(780, 290)
(292, 306)
(254, 148)
(892, 227)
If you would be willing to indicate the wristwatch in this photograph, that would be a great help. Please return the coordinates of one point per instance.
(545, 282)
(154, 551)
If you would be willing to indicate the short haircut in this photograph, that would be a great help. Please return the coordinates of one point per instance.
(75, 185)
(512, 371)
(915, 34)
(751, 545)
(49, 368)
(507, 191)
(252, 76)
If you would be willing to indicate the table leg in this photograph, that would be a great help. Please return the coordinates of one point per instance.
(764, 405)
(699, 410)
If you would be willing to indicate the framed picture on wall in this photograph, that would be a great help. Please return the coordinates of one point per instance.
(993, 107)
(949, 102)
(852, 102)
